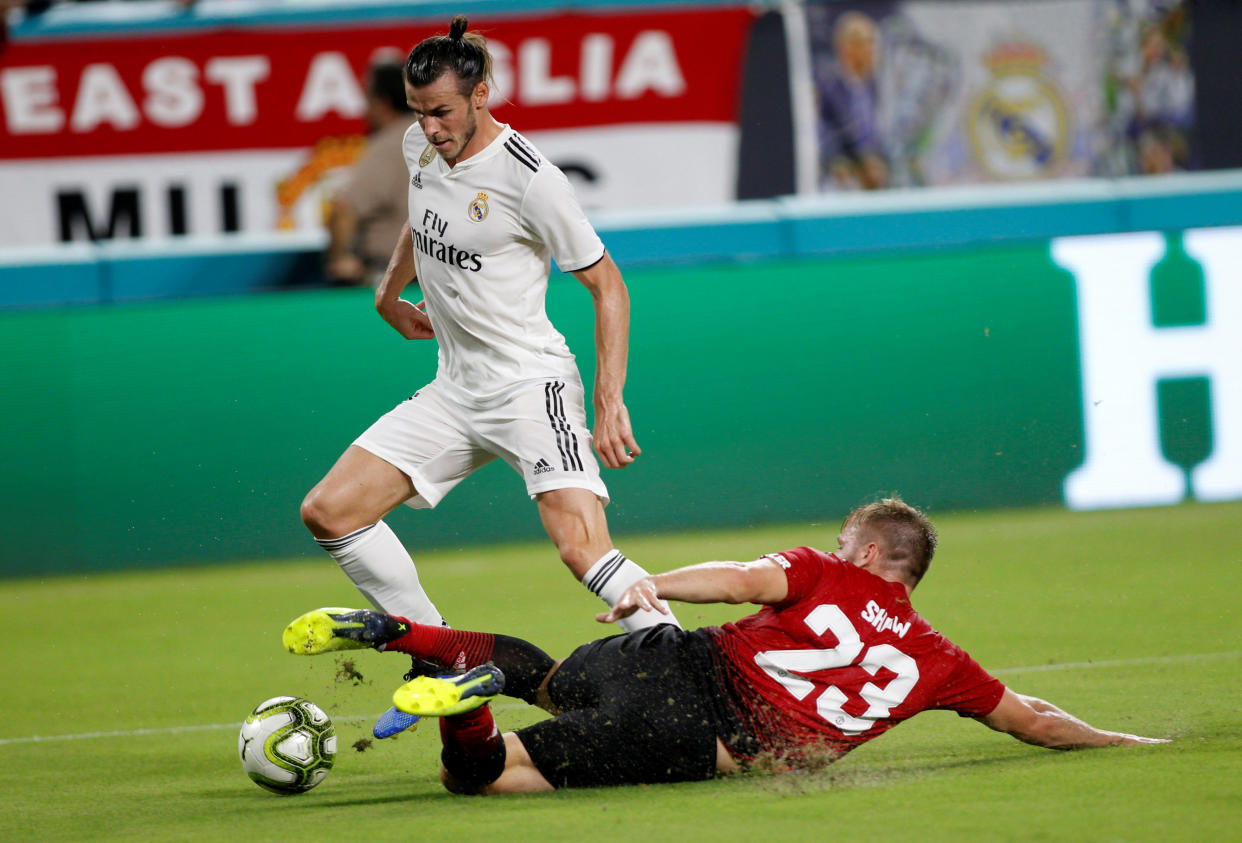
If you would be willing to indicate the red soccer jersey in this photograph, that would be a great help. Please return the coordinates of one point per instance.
(843, 659)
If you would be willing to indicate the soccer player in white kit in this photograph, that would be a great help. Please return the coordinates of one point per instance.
(486, 213)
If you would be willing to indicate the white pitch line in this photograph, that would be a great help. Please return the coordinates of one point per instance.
(1005, 671)
(1188, 657)
(176, 730)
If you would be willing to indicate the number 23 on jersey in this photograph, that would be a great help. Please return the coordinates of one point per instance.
(788, 667)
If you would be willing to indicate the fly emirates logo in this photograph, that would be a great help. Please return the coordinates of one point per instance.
(879, 618)
(427, 241)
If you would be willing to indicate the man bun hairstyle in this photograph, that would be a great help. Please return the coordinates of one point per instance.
(905, 534)
(464, 53)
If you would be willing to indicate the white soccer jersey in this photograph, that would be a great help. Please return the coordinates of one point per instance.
(483, 234)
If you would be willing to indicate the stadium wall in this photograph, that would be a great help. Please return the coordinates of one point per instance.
(787, 228)
(962, 370)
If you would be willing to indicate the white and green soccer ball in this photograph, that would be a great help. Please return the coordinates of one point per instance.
(287, 745)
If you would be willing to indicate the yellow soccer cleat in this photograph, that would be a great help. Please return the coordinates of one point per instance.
(444, 696)
(331, 629)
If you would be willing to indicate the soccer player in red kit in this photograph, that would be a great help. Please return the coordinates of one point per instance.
(836, 657)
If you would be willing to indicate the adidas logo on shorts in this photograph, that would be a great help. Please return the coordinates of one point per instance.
(542, 467)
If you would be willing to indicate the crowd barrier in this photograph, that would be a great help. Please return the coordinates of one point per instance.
(898, 220)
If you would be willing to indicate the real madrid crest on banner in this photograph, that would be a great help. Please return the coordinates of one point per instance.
(428, 154)
(478, 208)
(1019, 126)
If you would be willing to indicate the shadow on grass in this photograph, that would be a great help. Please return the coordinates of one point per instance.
(299, 801)
(383, 800)
(784, 781)
(773, 777)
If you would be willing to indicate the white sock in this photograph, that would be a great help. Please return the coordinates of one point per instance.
(610, 577)
(380, 567)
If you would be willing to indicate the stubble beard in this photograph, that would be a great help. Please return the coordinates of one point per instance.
(472, 126)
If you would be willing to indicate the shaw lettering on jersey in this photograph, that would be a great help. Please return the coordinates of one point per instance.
(880, 619)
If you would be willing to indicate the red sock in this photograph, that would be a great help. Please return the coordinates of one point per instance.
(474, 750)
(473, 734)
(453, 648)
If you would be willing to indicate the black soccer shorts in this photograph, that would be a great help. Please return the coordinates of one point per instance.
(637, 708)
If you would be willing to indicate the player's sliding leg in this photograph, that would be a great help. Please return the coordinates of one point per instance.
(526, 664)
(331, 629)
(445, 696)
(473, 754)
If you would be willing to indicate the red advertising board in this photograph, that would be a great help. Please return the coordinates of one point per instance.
(285, 87)
(209, 130)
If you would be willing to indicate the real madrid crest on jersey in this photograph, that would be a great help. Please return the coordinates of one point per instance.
(428, 154)
(478, 208)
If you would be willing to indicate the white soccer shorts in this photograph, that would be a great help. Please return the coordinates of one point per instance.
(539, 428)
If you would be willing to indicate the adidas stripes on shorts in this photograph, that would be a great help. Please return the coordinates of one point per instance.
(537, 427)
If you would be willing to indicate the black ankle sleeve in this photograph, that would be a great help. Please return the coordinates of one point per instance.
(523, 664)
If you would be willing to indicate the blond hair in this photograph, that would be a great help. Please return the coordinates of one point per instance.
(905, 535)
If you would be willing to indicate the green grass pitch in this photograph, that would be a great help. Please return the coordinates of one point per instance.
(123, 693)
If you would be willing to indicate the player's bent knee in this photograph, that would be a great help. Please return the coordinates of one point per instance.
(315, 515)
(309, 512)
(327, 515)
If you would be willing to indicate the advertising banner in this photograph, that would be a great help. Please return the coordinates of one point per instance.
(910, 92)
(203, 131)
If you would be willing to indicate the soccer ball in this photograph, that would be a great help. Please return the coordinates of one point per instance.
(287, 745)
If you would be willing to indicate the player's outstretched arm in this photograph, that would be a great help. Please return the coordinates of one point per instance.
(1039, 722)
(404, 316)
(761, 581)
(613, 434)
